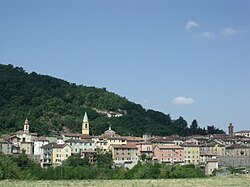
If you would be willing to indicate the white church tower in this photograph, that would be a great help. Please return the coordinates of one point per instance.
(85, 124)
(26, 126)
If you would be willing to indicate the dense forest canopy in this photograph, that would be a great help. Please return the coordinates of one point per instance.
(53, 105)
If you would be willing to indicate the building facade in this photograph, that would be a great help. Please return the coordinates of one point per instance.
(169, 154)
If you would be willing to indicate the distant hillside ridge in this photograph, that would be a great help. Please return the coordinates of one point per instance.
(53, 106)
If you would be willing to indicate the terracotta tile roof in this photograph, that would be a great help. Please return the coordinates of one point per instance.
(169, 147)
(129, 146)
(79, 141)
(41, 139)
(116, 138)
(187, 144)
(245, 131)
(211, 144)
(207, 154)
(53, 145)
(237, 146)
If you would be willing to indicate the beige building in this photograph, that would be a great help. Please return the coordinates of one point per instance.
(25, 135)
(116, 141)
(204, 157)
(211, 165)
(124, 155)
(27, 147)
(238, 150)
(5, 147)
(214, 148)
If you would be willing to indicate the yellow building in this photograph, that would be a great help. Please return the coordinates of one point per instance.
(54, 154)
(214, 148)
(192, 153)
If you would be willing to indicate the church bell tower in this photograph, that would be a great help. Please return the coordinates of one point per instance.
(85, 124)
(26, 126)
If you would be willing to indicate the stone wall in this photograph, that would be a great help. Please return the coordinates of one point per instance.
(227, 161)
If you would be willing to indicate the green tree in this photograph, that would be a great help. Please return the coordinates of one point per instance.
(194, 127)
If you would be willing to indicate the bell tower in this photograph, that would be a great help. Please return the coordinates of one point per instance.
(230, 129)
(26, 126)
(85, 124)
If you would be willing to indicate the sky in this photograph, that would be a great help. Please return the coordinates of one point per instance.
(183, 58)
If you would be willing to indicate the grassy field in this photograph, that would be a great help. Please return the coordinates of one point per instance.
(206, 182)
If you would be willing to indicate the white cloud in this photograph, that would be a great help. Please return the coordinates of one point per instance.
(190, 24)
(229, 31)
(183, 101)
(207, 34)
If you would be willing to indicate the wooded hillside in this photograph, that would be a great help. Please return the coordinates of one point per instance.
(53, 105)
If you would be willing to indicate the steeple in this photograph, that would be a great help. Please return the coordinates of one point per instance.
(26, 126)
(85, 118)
(85, 124)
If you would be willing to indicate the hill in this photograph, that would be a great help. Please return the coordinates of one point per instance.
(53, 105)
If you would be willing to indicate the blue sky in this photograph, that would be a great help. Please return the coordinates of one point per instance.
(186, 58)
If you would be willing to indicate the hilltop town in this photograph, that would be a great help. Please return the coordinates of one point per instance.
(210, 152)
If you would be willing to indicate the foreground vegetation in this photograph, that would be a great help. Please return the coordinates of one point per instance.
(75, 168)
(204, 182)
(53, 106)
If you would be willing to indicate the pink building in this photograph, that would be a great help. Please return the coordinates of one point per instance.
(145, 148)
(169, 153)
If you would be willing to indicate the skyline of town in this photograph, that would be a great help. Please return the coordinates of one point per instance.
(209, 152)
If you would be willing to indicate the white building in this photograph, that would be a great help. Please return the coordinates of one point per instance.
(38, 143)
(243, 133)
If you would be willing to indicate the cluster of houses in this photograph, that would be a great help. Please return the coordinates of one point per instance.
(208, 151)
